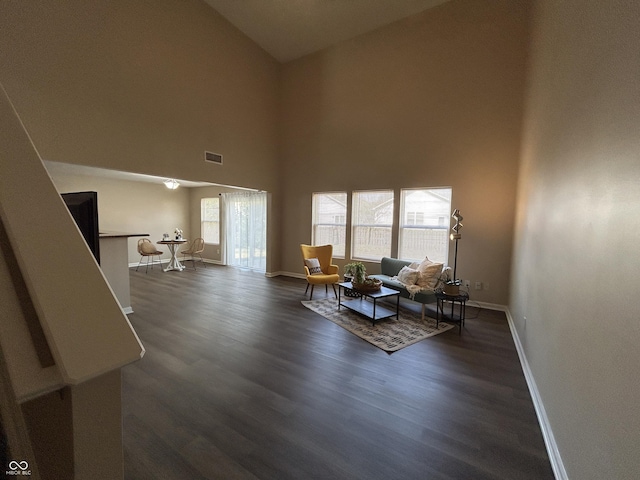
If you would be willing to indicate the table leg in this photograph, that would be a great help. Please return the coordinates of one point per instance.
(398, 308)
(373, 320)
(174, 263)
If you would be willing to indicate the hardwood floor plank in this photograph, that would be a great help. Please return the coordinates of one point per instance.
(240, 380)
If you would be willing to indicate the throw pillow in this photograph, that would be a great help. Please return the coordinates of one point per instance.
(148, 247)
(314, 266)
(408, 276)
(429, 274)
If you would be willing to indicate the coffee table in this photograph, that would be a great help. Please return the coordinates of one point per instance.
(369, 309)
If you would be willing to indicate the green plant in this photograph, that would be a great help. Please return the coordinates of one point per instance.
(356, 270)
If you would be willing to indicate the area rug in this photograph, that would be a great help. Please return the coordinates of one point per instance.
(389, 334)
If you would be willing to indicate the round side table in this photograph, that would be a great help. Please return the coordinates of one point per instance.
(454, 317)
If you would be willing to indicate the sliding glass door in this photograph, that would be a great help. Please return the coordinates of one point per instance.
(246, 230)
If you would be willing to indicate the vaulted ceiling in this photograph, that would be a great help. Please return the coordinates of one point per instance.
(289, 29)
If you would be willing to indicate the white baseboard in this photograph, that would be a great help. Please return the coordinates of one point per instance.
(213, 262)
(144, 264)
(547, 434)
(127, 310)
(488, 306)
(287, 274)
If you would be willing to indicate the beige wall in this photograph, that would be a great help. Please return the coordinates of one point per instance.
(433, 100)
(134, 207)
(142, 86)
(576, 265)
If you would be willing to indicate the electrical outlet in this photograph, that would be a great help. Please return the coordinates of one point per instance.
(467, 283)
(478, 285)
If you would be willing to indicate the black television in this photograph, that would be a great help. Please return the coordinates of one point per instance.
(84, 209)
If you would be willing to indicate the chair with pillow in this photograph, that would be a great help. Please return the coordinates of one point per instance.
(149, 250)
(318, 267)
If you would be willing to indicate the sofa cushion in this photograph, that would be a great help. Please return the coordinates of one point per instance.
(389, 282)
(408, 276)
(392, 266)
(429, 274)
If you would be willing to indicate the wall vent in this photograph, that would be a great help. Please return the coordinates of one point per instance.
(213, 157)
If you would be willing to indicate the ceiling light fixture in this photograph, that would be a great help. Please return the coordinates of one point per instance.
(171, 184)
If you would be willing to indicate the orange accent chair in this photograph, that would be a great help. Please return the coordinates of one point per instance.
(318, 267)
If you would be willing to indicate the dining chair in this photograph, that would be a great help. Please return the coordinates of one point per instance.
(147, 249)
(196, 248)
(318, 267)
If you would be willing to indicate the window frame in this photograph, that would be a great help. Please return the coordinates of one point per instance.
(315, 223)
(356, 224)
(203, 220)
(442, 227)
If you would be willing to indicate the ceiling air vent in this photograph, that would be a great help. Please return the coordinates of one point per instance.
(213, 157)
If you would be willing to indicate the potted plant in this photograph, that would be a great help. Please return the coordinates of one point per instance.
(452, 287)
(358, 273)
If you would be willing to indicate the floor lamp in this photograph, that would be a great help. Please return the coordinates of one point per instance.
(452, 287)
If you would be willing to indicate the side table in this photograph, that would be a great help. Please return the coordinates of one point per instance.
(461, 299)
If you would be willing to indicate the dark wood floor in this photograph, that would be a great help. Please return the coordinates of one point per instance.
(242, 381)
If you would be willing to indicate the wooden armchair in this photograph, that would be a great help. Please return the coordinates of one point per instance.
(318, 267)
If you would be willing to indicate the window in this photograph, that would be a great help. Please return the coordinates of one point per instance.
(330, 221)
(210, 220)
(424, 224)
(371, 224)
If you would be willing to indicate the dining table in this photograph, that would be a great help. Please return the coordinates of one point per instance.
(174, 263)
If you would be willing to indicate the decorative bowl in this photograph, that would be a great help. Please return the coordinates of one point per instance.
(369, 285)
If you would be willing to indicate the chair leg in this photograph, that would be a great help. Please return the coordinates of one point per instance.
(202, 260)
(139, 263)
(311, 296)
(334, 290)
